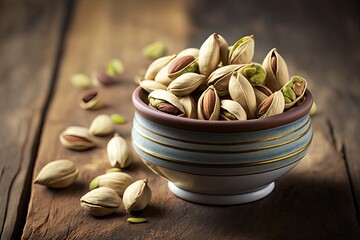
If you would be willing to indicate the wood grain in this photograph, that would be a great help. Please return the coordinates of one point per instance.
(29, 38)
(314, 201)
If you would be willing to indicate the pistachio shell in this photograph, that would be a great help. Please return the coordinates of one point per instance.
(224, 50)
(242, 92)
(272, 105)
(91, 100)
(220, 78)
(242, 51)
(76, 138)
(233, 108)
(118, 181)
(189, 51)
(57, 174)
(162, 76)
(182, 65)
(209, 55)
(209, 105)
(150, 85)
(100, 201)
(118, 152)
(189, 105)
(169, 98)
(101, 125)
(261, 92)
(288, 89)
(157, 65)
(185, 84)
(277, 74)
(137, 196)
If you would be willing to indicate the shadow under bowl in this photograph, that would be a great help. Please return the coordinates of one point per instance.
(220, 162)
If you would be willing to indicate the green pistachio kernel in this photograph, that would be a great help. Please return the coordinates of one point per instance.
(289, 93)
(249, 71)
(154, 101)
(117, 118)
(228, 115)
(80, 80)
(192, 68)
(94, 183)
(155, 50)
(137, 220)
(287, 100)
(114, 67)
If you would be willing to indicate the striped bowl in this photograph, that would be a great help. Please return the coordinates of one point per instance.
(220, 162)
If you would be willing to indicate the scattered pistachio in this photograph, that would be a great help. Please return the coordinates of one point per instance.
(155, 50)
(137, 220)
(102, 125)
(118, 181)
(118, 152)
(76, 138)
(137, 196)
(91, 100)
(313, 109)
(81, 81)
(117, 118)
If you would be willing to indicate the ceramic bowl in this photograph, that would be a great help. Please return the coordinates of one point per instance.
(220, 162)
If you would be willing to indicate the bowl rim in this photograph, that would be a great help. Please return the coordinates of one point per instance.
(150, 113)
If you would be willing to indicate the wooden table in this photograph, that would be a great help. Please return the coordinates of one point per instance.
(42, 43)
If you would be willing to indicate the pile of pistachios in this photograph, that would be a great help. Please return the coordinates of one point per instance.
(220, 82)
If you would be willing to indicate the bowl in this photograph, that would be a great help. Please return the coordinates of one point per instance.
(220, 162)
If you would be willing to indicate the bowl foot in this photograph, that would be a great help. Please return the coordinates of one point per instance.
(211, 199)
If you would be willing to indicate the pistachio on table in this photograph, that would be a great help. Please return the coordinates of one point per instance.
(137, 196)
(91, 100)
(118, 181)
(110, 73)
(118, 118)
(57, 174)
(101, 201)
(81, 81)
(101, 125)
(76, 138)
(118, 152)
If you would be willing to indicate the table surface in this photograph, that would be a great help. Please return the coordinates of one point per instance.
(43, 43)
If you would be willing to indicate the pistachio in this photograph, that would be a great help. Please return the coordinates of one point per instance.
(220, 78)
(91, 100)
(293, 91)
(118, 181)
(224, 50)
(277, 74)
(254, 72)
(154, 50)
(179, 65)
(76, 138)
(209, 105)
(157, 65)
(241, 91)
(261, 92)
(185, 84)
(313, 109)
(166, 102)
(189, 51)
(100, 201)
(231, 110)
(242, 51)
(162, 76)
(137, 220)
(189, 105)
(57, 174)
(272, 105)
(118, 152)
(81, 81)
(209, 55)
(118, 118)
(137, 196)
(150, 85)
(101, 125)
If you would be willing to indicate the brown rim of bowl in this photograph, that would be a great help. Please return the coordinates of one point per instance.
(139, 96)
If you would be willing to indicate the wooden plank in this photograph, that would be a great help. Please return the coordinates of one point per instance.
(29, 37)
(314, 201)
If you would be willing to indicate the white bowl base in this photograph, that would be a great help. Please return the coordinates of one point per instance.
(211, 199)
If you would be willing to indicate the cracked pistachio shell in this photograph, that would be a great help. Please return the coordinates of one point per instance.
(220, 78)
(242, 51)
(118, 181)
(272, 105)
(76, 138)
(57, 174)
(241, 91)
(118, 152)
(181, 65)
(185, 84)
(162, 76)
(189, 51)
(231, 110)
(157, 65)
(100, 201)
(261, 92)
(209, 105)
(91, 100)
(137, 196)
(189, 105)
(295, 81)
(166, 97)
(102, 125)
(151, 85)
(277, 74)
(254, 72)
(209, 55)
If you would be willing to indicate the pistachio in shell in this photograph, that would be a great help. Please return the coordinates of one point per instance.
(189, 105)
(118, 181)
(119, 152)
(189, 51)
(220, 78)
(209, 55)
(167, 102)
(157, 65)
(272, 105)
(137, 196)
(150, 85)
(242, 51)
(77, 138)
(231, 110)
(261, 92)
(185, 84)
(181, 65)
(209, 105)
(293, 91)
